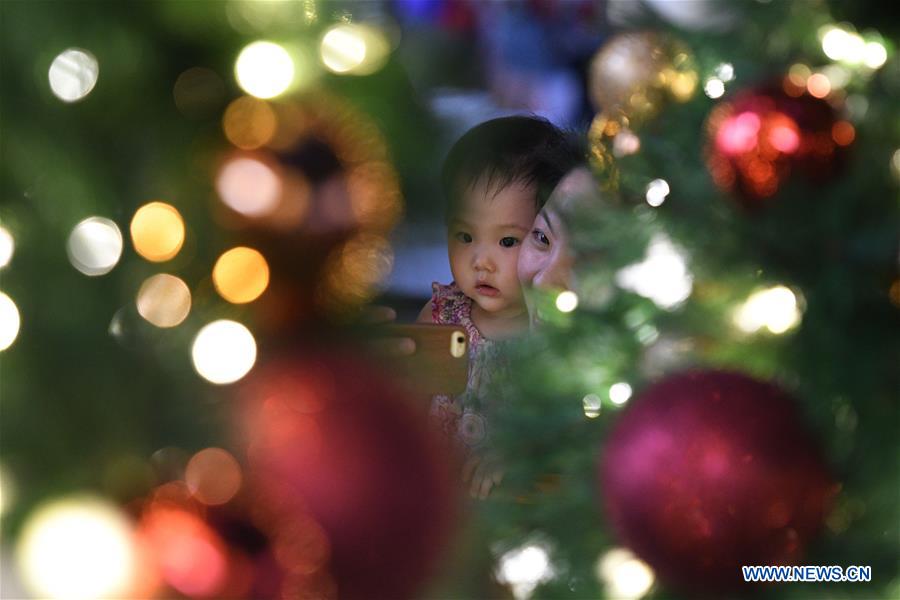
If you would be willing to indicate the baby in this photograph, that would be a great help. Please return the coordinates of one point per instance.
(492, 180)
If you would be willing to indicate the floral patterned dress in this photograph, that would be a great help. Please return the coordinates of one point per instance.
(460, 417)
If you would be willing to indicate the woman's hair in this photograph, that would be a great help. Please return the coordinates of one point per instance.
(561, 159)
(521, 149)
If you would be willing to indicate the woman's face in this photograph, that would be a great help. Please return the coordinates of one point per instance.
(546, 260)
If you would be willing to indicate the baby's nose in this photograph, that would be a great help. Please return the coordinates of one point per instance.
(483, 262)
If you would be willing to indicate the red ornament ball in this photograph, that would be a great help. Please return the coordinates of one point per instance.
(763, 136)
(356, 491)
(707, 471)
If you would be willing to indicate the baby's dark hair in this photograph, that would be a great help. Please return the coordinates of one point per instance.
(518, 149)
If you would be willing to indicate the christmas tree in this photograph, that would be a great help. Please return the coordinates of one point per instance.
(201, 199)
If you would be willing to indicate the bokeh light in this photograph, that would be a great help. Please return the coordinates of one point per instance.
(9, 321)
(223, 351)
(198, 91)
(354, 49)
(626, 143)
(95, 246)
(7, 247)
(524, 568)
(249, 122)
(662, 276)
(249, 186)
(874, 55)
(592, 406)
(302, 545)
(213, 476)
(7, 491)
(895, 163)
(619, 393)
(843, 133)
(725, 72)
(775, 309)
(566, 301)
(623, 574)
(241, 275)
(157, 231)
(657, 190)
(842, 45)
(818, 85)
(164, 300)
(73, 74)
(837, 75)
(264, 69)
(714, 88)
(355, 270)
(189, 554)
(78, 547)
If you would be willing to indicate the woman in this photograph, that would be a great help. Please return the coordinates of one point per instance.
(546, 260)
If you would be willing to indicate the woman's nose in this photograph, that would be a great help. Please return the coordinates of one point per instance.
(556, 274)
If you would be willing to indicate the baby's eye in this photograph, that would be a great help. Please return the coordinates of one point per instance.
(509, 242)
(540, 237)
(463, 237)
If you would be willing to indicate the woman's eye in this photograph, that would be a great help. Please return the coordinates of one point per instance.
(463, 237)
(509, 242)
(540, 237)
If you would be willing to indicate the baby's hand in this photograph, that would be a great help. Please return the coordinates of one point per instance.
(482, 473)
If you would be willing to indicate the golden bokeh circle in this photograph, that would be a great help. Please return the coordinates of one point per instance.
(241, 275)
(157, 231)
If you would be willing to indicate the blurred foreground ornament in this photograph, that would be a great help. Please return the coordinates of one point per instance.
(757, 140)
(707, 471)
(344, 460)
(634, 74)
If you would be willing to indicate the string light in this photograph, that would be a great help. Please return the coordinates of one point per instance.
(657, 190)
(264, 69)
(164, 300)
(349, 48)
(95, 246)
(725, 72)
(524, 568)
(592, 406)
(223, 352)
(241, 275)
(73, 74)
(619, 393)
(662, 276)
(157, 231)
(714, 88)
(9, 321)
(775, 309)
(626, 576)
(874, 55)
(567, 301)
(7, 247)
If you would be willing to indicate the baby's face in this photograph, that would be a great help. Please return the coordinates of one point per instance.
(484, 238)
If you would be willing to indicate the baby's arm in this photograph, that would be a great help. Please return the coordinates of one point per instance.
(425, 314)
